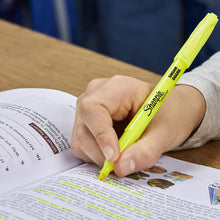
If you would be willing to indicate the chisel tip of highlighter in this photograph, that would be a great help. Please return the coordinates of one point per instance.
(102, 176)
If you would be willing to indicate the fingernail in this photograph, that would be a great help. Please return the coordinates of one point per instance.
(128, 166)
(132, 165)
(108, 152)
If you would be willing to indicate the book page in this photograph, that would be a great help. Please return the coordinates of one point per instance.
(35, 135)
(172, 189)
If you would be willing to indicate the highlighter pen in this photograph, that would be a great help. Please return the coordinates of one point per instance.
(181, 62)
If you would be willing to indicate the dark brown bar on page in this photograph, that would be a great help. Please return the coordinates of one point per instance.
(45, 137)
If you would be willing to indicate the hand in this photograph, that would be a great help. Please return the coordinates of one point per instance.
(107, 101)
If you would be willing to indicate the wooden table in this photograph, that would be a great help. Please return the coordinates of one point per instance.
(30, 59)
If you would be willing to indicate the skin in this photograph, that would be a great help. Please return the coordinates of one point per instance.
(110, 101)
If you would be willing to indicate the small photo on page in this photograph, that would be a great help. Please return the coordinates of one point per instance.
(161, 183)
(137, 176)
(214, 193)
(178, 176)
(156, 169)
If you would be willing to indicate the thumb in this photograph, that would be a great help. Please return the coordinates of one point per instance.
(140, 155)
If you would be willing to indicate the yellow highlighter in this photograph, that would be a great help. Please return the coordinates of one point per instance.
(181, 62)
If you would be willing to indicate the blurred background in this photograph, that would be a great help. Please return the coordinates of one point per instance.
(145, 33)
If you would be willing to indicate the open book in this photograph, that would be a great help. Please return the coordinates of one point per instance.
(41, 179)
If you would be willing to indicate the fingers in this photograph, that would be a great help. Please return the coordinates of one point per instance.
(105, 101)
(95, 118)
(93, 132)
(90, 152)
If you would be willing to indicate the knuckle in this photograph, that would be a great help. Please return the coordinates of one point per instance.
(83, 104)
(118, 78)
(92, 85)
(99, 136)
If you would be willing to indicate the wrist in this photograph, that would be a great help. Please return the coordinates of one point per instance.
(195, 101)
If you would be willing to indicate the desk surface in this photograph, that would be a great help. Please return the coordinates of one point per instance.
(30, 59)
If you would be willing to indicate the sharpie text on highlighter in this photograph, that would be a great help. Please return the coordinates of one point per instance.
(159, 96)
(174, 73)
